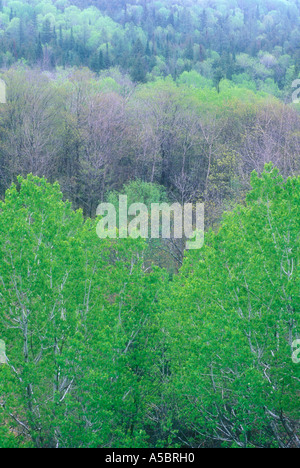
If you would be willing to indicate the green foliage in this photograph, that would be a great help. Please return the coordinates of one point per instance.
(157, 38)
(133, 342)
(78, 318)
(231, 321)
(102, 354)
(138, 191)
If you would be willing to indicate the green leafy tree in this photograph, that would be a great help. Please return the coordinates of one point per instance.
(233, 317)
(78, 316)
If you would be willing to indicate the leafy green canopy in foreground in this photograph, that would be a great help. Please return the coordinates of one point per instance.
(231, 320)
(74, 315)
(102, 354)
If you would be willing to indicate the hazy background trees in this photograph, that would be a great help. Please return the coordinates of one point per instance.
(254, 43)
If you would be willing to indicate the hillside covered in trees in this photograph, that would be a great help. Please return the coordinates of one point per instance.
(255, 43)
(138, 342)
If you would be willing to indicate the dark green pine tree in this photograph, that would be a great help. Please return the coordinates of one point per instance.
(138, 72)
(201, 53)
(46, 32)
(148, 51)
(95, 63)
(39, 54)
(189, 51)
(138, 49)
(203, 20)
(21, 33)
(101, 61)
(34, 25)
(72, 40)
(54, 37)
(107, 62)
(218, 74)
(227, 65)
(60, 37)
(52, 61)
(167, 50)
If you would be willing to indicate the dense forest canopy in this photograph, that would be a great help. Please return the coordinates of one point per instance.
(139, 343)
(255, 42)
(103, 353)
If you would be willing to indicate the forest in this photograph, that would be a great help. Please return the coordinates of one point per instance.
(138, 342)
